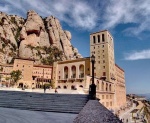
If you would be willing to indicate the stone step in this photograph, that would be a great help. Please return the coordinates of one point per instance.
(43, 102)
(69, 103)
(45, 105)
(42, 107)
(75, 111)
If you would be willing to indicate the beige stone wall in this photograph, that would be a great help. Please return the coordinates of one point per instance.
(26, 67)
(33, 75)
(120, 90)
(104, 91)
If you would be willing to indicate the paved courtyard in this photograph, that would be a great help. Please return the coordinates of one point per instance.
(23, 116)
(62, 91)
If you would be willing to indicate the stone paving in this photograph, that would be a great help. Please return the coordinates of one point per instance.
(62, 91)
(23, 116)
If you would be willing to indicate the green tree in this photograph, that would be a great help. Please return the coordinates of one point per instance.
(52, 84)
(16, 75)
(54, 54)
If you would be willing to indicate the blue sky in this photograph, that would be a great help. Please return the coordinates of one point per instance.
(127, 20)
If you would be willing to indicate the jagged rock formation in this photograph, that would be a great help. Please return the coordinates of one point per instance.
(9, 32)
(33, 33)
(26, 38)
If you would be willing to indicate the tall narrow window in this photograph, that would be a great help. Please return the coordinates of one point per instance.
(98, 38)
(103, 37)
(94, 40)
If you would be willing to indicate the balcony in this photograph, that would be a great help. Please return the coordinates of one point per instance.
(104, 91)
(81, 75)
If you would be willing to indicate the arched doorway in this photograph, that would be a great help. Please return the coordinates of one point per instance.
(59, 87)
(73, 87)
(81, 86)
(21, 85)
(65, 87)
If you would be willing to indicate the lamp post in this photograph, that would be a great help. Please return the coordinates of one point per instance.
(92, 91)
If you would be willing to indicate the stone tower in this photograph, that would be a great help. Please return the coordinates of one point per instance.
(102, 47)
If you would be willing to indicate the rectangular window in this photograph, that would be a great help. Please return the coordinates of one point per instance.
(103, 37)
(98, 38)
(110, 103)
(94, 40)
(102, 46)
(107, 104)
(103, 67)
(106, 96)
(110, 97)
(102, 96)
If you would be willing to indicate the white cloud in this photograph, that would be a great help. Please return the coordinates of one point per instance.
(76, 13)
(138, 55)
(128, 11)
(87, 14)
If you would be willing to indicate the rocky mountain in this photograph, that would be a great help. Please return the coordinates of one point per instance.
(35, 37)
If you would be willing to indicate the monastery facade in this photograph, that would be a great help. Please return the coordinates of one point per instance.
(76, 74)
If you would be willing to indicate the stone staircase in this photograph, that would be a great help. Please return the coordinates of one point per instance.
(64, 103)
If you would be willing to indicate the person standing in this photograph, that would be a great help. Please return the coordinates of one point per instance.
(56, 90)
(44, 88)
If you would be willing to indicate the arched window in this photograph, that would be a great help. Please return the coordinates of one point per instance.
(106, 87)
(110, 87)
(81, 86)
(102, 86)
(81, 71)
(73, 69)
(97, 85)
(65, 72)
